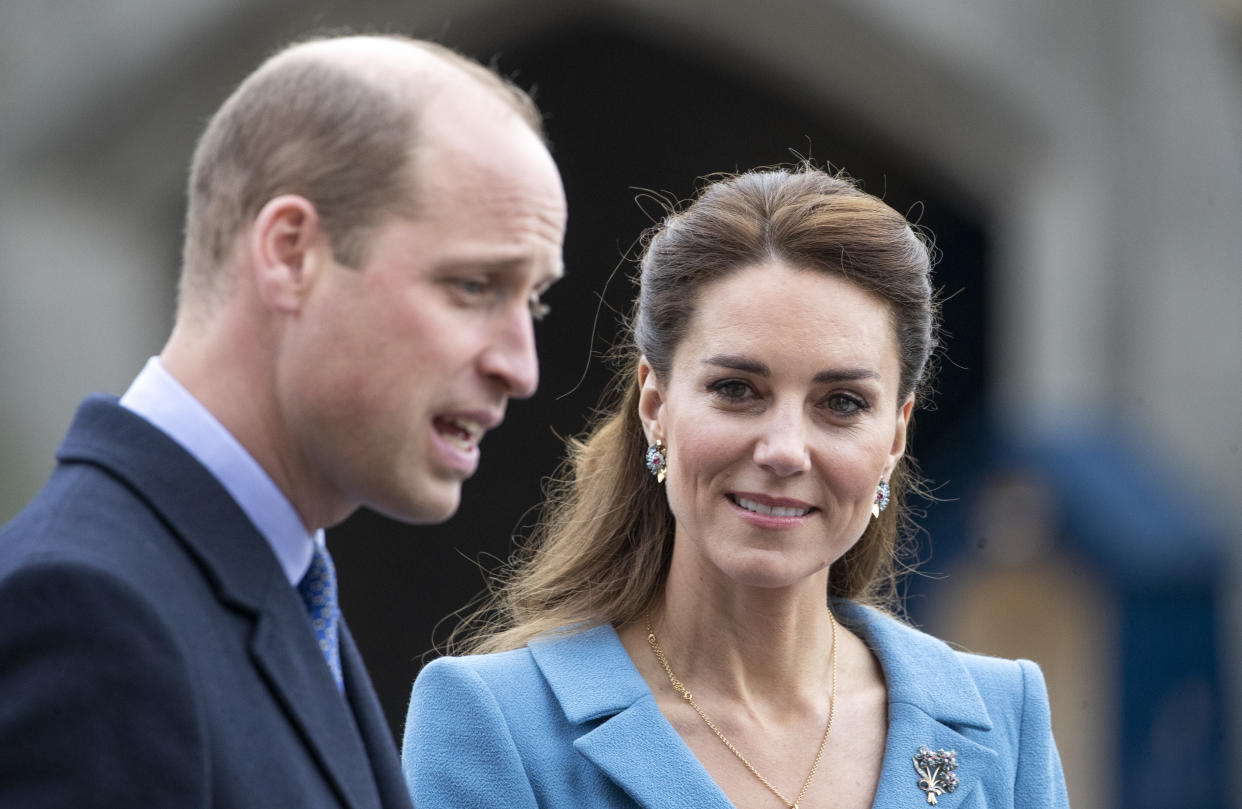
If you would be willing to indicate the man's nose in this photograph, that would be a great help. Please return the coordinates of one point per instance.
(511, 357)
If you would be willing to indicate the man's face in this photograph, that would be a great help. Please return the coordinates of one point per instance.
(404, 363)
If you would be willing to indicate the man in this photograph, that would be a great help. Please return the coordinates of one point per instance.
(371, 223)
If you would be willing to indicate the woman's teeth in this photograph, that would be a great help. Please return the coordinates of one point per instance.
(770, 511)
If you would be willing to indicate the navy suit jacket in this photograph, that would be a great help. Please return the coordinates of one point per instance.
(153, 654)
(569, 722)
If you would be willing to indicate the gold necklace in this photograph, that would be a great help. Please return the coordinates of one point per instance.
(686, 695)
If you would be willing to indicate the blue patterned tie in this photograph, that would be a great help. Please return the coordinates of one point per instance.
(318, 589)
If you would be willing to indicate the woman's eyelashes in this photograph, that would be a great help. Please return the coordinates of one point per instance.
(731, 391)
(738, 392)
(845, 404)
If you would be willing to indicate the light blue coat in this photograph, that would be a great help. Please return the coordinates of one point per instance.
(568, 722)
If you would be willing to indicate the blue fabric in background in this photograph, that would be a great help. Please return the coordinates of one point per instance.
(1157, 551)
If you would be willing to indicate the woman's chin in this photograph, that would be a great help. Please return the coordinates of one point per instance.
(775, 574)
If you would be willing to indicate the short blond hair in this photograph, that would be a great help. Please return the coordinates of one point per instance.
(308, 125)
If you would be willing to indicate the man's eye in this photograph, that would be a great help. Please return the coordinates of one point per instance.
(472, 286)
(538, 309)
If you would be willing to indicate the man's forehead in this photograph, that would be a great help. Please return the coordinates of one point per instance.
(381, 59)
(506, 166)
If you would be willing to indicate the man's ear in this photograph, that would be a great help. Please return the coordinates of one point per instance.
(650, 401)
(287, 247)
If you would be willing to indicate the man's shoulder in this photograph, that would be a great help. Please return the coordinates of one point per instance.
(88, 531)
(82, 512)
(126, 496)
(91, 521)
(104, 463)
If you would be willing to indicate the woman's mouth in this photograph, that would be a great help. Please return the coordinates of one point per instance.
(767, 510)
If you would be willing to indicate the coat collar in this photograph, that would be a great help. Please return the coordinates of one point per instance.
(209, 523)
(932, 699)
(243, 572)
(593, 678)
(920, 671)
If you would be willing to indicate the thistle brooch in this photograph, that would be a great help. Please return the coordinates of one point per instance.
(936, 771)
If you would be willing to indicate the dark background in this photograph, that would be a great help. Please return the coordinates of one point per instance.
(624, 115)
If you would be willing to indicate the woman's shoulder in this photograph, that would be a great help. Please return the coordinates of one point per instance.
(914, 660)
(535, 692)
(576, 650)
(475, 694)
(482, 673)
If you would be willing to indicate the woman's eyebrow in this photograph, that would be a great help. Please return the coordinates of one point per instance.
(737, 363)
(845, 375)
(761, 369)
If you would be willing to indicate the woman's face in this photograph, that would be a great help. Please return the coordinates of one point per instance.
(780, 415)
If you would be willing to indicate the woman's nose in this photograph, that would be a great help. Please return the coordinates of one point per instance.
(782, 448)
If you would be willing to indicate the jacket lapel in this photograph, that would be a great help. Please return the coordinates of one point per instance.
(623, 731)
(932, 699)
(909, 728)
(373, 727)
(642, 754)
(243, 572)
(304, 686)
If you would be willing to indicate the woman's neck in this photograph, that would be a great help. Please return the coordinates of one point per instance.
(761, 646)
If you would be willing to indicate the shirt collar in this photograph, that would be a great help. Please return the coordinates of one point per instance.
(162, 400)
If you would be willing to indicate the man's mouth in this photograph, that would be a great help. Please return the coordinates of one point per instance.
(461, 432)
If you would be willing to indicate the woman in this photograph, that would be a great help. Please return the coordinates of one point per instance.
(666, 640)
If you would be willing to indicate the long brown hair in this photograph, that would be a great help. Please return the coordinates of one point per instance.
(601, 549)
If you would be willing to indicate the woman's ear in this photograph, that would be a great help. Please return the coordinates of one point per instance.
(650, 401)
(899, 436)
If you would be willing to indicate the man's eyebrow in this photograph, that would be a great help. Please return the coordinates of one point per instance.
(494, 265)
(499, 266)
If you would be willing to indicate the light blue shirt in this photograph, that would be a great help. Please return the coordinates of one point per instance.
(160, 399)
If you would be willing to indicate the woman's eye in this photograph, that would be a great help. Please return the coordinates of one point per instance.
(732, 390)
(845, 404)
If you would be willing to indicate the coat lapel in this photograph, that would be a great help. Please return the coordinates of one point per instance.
(932, 699)
(243, 572)
(304, 686)
(909, 728)
(372, 725)
(642, 754)
(623, 731)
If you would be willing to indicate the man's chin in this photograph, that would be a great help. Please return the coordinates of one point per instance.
(428, 509)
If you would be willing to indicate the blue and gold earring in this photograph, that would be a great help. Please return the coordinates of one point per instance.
(882, 495)
(657, 460)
